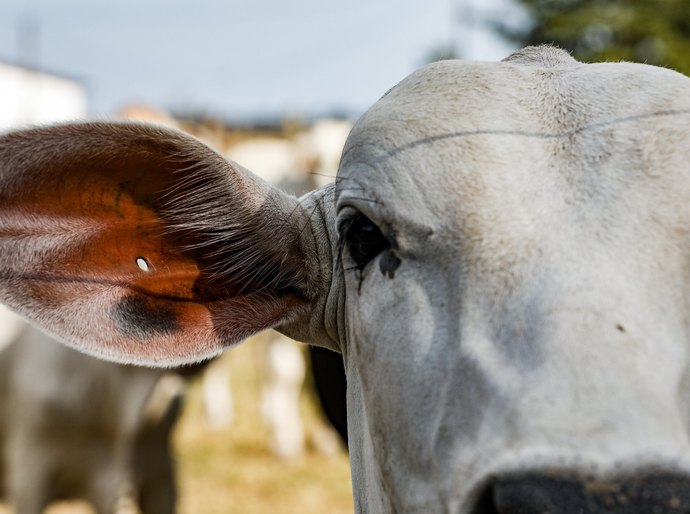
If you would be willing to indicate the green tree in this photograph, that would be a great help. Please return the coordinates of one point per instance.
(652, 31)
(441, 53)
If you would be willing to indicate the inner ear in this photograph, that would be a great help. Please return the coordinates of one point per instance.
(143, 245)
(242, 233)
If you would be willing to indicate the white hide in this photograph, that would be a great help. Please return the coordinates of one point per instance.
(539, 211)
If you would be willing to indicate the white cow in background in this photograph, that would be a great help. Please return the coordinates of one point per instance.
(322, 144)
(11, 326)
(503, 264)
(308, 160)
(298, 166)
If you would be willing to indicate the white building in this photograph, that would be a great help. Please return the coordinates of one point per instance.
(29, 97)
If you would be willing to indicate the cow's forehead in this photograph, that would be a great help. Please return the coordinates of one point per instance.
(537, 120)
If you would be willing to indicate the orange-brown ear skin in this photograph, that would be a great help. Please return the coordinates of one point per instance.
(140, 244)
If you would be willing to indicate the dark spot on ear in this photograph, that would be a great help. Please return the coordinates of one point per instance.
(139, 317)
(117, 205)
(620, 327)
(388, 263)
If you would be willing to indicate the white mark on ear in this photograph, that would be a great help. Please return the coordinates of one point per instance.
(143, 264)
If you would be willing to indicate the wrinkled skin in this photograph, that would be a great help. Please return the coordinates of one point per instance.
(503, 263)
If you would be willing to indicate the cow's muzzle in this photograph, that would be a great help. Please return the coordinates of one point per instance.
(560, 493)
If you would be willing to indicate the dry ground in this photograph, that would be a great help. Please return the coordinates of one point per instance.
(233, 472)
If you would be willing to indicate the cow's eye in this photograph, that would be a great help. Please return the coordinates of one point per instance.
(364, 240)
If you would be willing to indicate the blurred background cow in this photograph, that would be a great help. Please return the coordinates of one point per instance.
(75, 427)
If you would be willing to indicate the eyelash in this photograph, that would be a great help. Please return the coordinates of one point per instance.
(363, 239)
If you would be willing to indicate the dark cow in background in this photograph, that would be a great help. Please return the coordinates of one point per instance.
(330, 384)
(73, 427)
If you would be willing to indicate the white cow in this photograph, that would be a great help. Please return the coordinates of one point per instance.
(503, 264)
(296, 166)
(73, 427)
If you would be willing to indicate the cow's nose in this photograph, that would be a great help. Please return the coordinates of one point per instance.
(555, 493)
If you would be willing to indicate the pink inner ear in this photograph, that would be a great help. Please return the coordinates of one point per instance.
(72, 237)
(74, 232)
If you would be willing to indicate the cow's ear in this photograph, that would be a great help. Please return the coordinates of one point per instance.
(140, 244)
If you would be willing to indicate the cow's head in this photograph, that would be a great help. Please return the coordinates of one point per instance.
(503, 263)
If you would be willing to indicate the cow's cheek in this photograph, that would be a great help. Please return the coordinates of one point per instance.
(391, 343)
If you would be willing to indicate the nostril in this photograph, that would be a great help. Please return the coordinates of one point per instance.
(538, 494)
(558, 493)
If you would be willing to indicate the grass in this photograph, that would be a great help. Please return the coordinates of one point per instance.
(233, 471)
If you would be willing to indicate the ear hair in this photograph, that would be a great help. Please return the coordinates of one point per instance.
(118, 234)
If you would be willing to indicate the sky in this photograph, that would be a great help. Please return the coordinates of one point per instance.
(244, 58)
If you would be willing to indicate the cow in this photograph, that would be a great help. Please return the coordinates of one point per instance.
(74, 427)
(502, 262)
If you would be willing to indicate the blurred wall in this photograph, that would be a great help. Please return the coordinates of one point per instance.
(30, 97)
